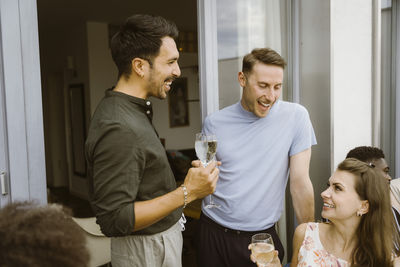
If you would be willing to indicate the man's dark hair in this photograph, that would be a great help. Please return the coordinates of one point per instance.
(366, 153)
(33, 235)
(140, 37)
(263, 55)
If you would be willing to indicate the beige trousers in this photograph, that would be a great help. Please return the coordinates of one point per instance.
(159, 250)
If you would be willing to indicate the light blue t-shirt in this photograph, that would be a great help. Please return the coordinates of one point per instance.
(255, 162)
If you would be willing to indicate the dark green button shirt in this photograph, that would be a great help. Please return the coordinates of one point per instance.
(126, 163)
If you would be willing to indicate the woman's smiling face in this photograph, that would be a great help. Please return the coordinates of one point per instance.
(341, 200)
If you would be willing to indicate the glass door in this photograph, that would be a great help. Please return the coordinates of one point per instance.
(242, 26)
(224, 39)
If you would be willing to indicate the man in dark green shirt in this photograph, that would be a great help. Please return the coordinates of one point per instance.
(132, 188)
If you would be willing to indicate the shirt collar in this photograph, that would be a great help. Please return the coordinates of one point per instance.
(145, 105)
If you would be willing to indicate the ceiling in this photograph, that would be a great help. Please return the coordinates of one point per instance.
(60, 14)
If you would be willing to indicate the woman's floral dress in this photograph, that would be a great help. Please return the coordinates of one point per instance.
(312, 253)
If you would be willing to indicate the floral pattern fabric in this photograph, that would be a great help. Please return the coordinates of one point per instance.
(312, 253)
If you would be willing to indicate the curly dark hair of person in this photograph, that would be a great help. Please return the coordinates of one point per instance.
(34, 235)
(140, 37)
(375, 232)
(366, 153)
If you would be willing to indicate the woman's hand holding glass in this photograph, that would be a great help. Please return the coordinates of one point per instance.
(263, 252)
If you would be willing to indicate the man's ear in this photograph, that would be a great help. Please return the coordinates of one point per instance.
(139, 66)
(242, 79)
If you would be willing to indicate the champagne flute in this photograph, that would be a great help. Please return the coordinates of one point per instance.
(262, 248)
(206, 148)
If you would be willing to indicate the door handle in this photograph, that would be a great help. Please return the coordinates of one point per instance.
(3, 184)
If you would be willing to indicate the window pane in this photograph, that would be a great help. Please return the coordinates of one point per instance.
(242, 26)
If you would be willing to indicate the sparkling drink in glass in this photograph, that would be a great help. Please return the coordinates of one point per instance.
(262, 248)
(206, 148)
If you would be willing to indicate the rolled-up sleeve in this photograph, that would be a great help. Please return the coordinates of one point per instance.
(117, 163)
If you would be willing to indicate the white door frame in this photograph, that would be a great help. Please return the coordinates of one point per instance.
(4, 166)
(208, 56)
(22, 120)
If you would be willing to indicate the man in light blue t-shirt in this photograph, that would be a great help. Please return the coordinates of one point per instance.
(261, 142)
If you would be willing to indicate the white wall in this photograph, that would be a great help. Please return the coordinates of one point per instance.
(103, 74)
(351, 60)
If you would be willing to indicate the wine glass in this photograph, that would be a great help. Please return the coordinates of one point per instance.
(262, 248)
(206, 148)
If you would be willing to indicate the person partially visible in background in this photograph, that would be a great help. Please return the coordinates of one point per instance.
(46, 236)
(375, 156)
(372, 155)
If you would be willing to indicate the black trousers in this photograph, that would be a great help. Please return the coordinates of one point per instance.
(218, 246)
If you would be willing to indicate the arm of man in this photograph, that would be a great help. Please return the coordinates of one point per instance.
(117, 167)
(199, 182)
(301, 187)
(297, 241)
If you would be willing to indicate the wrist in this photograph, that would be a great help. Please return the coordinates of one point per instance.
(185, 195)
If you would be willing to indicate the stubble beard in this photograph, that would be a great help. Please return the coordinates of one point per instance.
(155, 89)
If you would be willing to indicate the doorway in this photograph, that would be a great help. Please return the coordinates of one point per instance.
(76, 69)
(74, 50)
